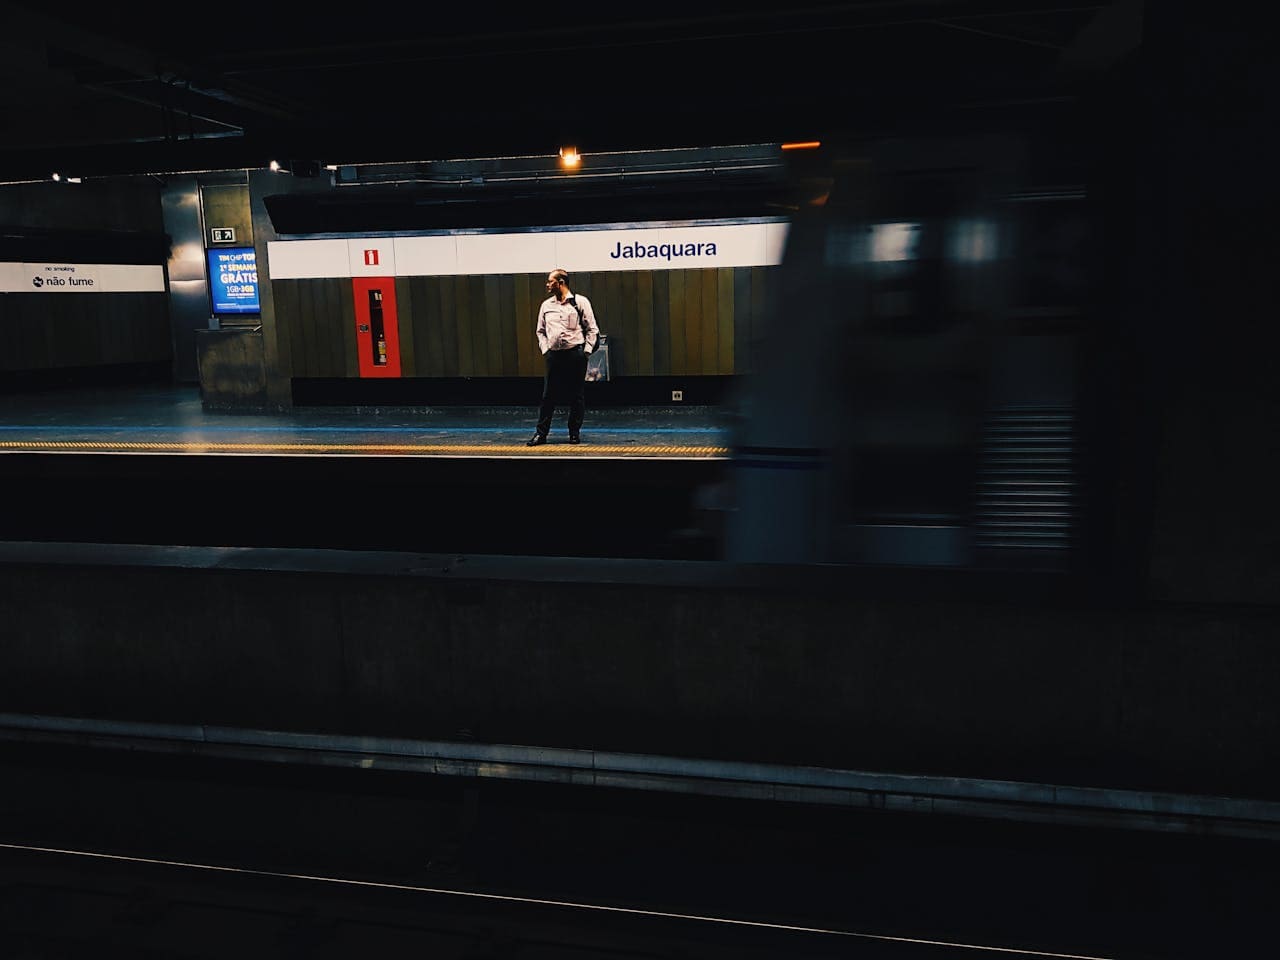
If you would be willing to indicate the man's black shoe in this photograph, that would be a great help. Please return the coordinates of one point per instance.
(536, 440)
(574, 438)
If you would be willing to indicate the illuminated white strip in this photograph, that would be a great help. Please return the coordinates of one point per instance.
(40, 278)
(537, 901)
(578, 251)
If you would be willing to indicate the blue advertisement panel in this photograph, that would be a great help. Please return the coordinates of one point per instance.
(233, 280)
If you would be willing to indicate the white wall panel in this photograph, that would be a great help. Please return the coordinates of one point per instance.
(130, 278)
(11, 277)
(427, 256)
(307, 259)
(507, 253)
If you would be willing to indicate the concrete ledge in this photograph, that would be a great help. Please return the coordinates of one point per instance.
(795, 667)
(793, 579)
(955, 796)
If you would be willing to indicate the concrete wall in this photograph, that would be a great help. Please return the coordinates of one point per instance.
(231, 370)
(695, 659)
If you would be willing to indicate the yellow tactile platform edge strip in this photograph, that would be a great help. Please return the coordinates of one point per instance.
(425, 449)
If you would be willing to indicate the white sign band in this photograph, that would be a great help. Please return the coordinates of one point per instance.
(81, 278)
(578, 251)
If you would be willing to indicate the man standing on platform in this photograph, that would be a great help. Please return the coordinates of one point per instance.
(567, 333)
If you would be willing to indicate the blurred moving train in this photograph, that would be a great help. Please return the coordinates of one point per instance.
(918, 398)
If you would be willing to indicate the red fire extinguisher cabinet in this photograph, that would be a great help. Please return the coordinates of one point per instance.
(377, 330)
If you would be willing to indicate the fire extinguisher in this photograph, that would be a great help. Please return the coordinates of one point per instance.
(382, 350)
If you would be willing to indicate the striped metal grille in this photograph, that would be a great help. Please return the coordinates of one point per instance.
(1028, 482)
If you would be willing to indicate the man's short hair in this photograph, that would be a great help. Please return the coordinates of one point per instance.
(560, 274)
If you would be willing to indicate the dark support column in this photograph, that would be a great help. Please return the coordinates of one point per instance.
(1206, 298)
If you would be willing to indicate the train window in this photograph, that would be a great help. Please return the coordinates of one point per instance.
(895, 241)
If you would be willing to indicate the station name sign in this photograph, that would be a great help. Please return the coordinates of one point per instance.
(755, 244)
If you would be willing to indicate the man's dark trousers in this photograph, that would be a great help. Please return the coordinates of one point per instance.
(564, 382)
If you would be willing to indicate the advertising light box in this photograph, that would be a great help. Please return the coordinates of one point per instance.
(233, 280)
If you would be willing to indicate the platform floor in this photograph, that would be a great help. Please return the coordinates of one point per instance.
(152, 465)
(172, 420)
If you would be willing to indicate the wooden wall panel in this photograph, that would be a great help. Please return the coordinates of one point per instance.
(284, 294)
(629, 323)
(297, 332)
(678, 351)
(525, 316)
(92, 329)
(114, 338)
(412, 296)
(29, 334)
(15, 329)
(702, 322)
(58, 314)
(476, 326)
(742, 320)
(43, 344)
(72, 340)
(296, 335)
(430, 322)
(645, 326)
(63, 334)
(11, 327)
(709, 346)
(312, 312)
(661, 300)
(336, 324)
(135, 327)
(34, 352)
(328, 332)
(82, 330)
(462, 325)
(86, 339)
(620, 311)
(156, 309)
(451, 352)
(406, 330)
(99, 333)
(507, 321)
(724, 321)
(10, 330)
(315, 321)
(692, 322)
(346, 318)
(492, 327)
(306, 351)
(34, 355)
